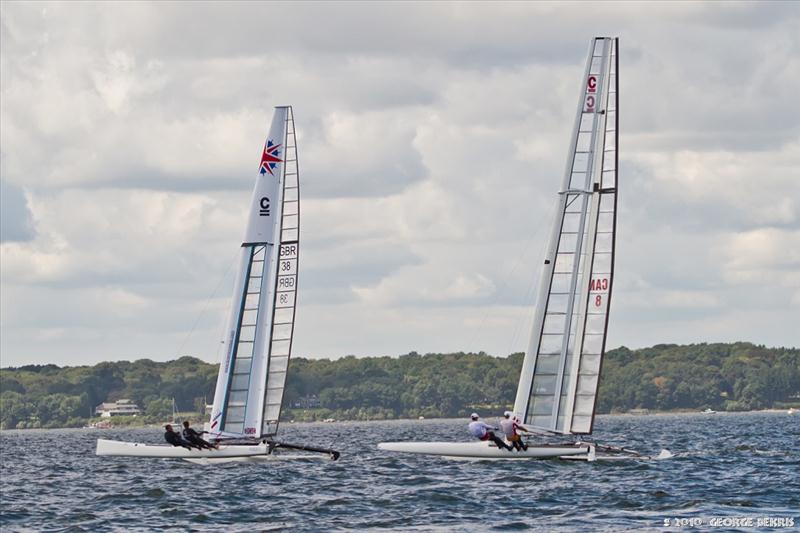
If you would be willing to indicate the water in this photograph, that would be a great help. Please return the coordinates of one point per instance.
(726, 466)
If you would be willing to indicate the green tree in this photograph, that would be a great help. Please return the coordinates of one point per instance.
(159, 408)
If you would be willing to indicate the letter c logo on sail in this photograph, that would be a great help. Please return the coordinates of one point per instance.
(264, 211)
(591, 84)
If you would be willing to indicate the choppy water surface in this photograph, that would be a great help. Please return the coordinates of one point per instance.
(726, 465)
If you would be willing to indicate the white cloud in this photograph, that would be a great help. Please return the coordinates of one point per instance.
(362, 154)
(737, 188)
(429, 167)
(755, 256)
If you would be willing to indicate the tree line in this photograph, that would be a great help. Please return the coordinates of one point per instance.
(732, 376)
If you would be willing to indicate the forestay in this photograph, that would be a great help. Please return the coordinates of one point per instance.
(559, 379)
(258, 340)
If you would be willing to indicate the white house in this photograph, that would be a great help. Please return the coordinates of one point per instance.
(118, 408)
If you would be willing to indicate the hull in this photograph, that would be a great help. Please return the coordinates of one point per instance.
(256, 458)
(484, 450)
(136, 449)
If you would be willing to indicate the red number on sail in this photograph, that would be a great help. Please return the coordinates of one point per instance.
(598, 284)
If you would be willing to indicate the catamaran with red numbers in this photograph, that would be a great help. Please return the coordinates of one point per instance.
(258, 340)
(557, 390)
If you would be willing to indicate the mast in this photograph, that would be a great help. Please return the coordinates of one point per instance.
(252, 375)
(558, 383)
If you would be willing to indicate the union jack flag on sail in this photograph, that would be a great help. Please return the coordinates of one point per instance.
(270, 158)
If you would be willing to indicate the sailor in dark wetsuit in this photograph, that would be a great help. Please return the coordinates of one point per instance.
(194, 437)
(174, 438)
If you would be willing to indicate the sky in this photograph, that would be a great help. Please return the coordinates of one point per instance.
(432, 141)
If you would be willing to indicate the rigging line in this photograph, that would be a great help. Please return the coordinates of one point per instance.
(337, 437)
(506, 278)
(527, 319)
(205, 306)
(571, 202)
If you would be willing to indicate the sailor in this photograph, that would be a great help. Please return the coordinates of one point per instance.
(174, 438)
(194, 437)
(510, 426)
(483, 431)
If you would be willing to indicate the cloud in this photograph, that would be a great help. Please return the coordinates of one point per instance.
(364, 154)
(429, 170)
(16, 223)
(711, 189)
(414, 288)
(755, 256)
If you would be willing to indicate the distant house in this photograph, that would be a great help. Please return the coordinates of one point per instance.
(118, 408)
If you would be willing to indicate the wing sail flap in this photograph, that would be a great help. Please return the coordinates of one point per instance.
(285, 299)
(560, 374)
(260, 326)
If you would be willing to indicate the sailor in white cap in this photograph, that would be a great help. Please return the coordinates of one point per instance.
(510, 426)
(483, 431)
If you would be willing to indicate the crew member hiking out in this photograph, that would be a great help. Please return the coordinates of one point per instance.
(510, 426)
(174, 438)
(194, 437)
(483, 431)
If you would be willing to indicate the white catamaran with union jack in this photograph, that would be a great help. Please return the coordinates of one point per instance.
(258, 339)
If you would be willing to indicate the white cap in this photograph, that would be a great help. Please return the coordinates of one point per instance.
(474, 415)
(507, 414)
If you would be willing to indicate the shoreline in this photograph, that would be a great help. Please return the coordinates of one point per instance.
(338, 421)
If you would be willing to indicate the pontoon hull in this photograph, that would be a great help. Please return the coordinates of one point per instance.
(137, 449)
(484, 450)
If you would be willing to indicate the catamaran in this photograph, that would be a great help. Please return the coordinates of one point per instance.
(258, 340)
(557, 391)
